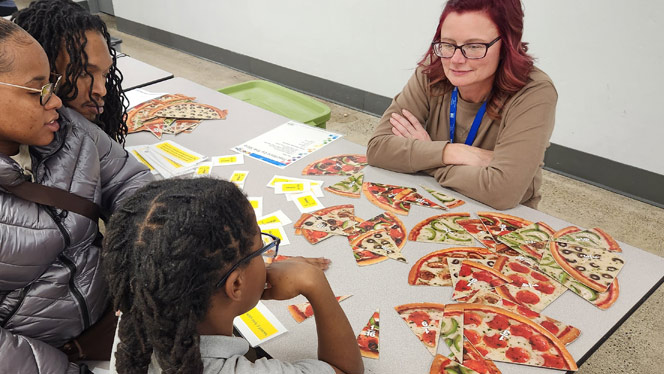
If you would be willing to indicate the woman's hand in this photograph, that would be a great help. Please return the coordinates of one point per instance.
(292, 277)
(407, 126)
(461, 154)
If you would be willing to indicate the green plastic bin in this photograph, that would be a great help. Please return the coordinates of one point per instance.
(280, 100)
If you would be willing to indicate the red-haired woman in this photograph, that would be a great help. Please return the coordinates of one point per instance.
(476, 114)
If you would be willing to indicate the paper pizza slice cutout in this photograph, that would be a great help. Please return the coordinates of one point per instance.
(476, 228)
(595, 237)
(387, 197)
(498, 224)
(528, 286)
(442, 229)
(424, 320)
(473, 359)
(368, 339)
(302, 311)
(378, 242)
(448, 201)
(432, 269)
(471, 276)
(349, 187)
(443, 365)
(530, 241)
(417, 199)
(347, 164)
(451, 332)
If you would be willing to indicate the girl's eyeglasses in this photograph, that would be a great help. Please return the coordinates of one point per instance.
(45, 92)
(273, 243)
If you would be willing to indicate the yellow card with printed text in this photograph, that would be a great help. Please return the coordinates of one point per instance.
(258, 325)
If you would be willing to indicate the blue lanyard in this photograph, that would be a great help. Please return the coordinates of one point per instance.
(472, 134)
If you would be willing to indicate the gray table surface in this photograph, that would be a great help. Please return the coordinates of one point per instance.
(136, 73)
(384, 285)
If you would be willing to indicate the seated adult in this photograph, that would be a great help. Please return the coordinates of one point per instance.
(78, 47)
(476, 114)
(52, 293)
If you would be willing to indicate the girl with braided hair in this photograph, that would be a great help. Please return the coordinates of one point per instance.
(78, 47)
(183, 259)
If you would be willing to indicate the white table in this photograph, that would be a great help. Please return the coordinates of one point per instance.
(138, 74)
(384, 285)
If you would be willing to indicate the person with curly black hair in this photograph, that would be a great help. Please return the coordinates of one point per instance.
(78, 47)
(183, 258)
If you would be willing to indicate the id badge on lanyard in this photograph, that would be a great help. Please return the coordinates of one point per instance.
(472, 134)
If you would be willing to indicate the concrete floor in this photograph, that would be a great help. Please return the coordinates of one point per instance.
(636, 347)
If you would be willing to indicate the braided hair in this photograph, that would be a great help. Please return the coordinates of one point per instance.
(164, 252)
(55, 23)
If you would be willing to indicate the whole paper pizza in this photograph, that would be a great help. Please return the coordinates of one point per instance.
(501, 335)
(337, 165)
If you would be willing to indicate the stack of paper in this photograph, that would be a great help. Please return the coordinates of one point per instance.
(171, 159)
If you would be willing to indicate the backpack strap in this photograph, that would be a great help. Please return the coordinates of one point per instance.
(58, 198)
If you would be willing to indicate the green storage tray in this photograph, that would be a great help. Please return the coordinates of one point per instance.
(280, 100)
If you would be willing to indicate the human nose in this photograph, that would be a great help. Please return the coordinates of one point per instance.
(99, 87)
(54, 102)
(458, 57)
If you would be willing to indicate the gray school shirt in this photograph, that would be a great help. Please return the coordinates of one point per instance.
(225, 355)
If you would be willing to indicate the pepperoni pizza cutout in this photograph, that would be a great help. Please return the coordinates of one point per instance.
(424, 320)
(337, 165)
(565, 333)
(528, 286)
(510, 337)
(432, 269)
(470, 276)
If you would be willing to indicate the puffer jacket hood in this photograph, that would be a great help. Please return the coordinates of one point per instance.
(51, 288)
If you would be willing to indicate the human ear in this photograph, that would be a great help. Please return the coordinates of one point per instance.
(235, 284)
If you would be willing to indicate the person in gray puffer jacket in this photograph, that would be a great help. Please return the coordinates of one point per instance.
(51, 285)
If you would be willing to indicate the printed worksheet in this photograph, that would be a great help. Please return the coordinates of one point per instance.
(286, 143)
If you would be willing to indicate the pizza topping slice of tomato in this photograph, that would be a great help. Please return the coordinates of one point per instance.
(368, 340)
(424, 320)
(348, 164)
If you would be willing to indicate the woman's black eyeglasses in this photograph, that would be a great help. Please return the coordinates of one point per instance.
(274, 243)
(473, 51)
